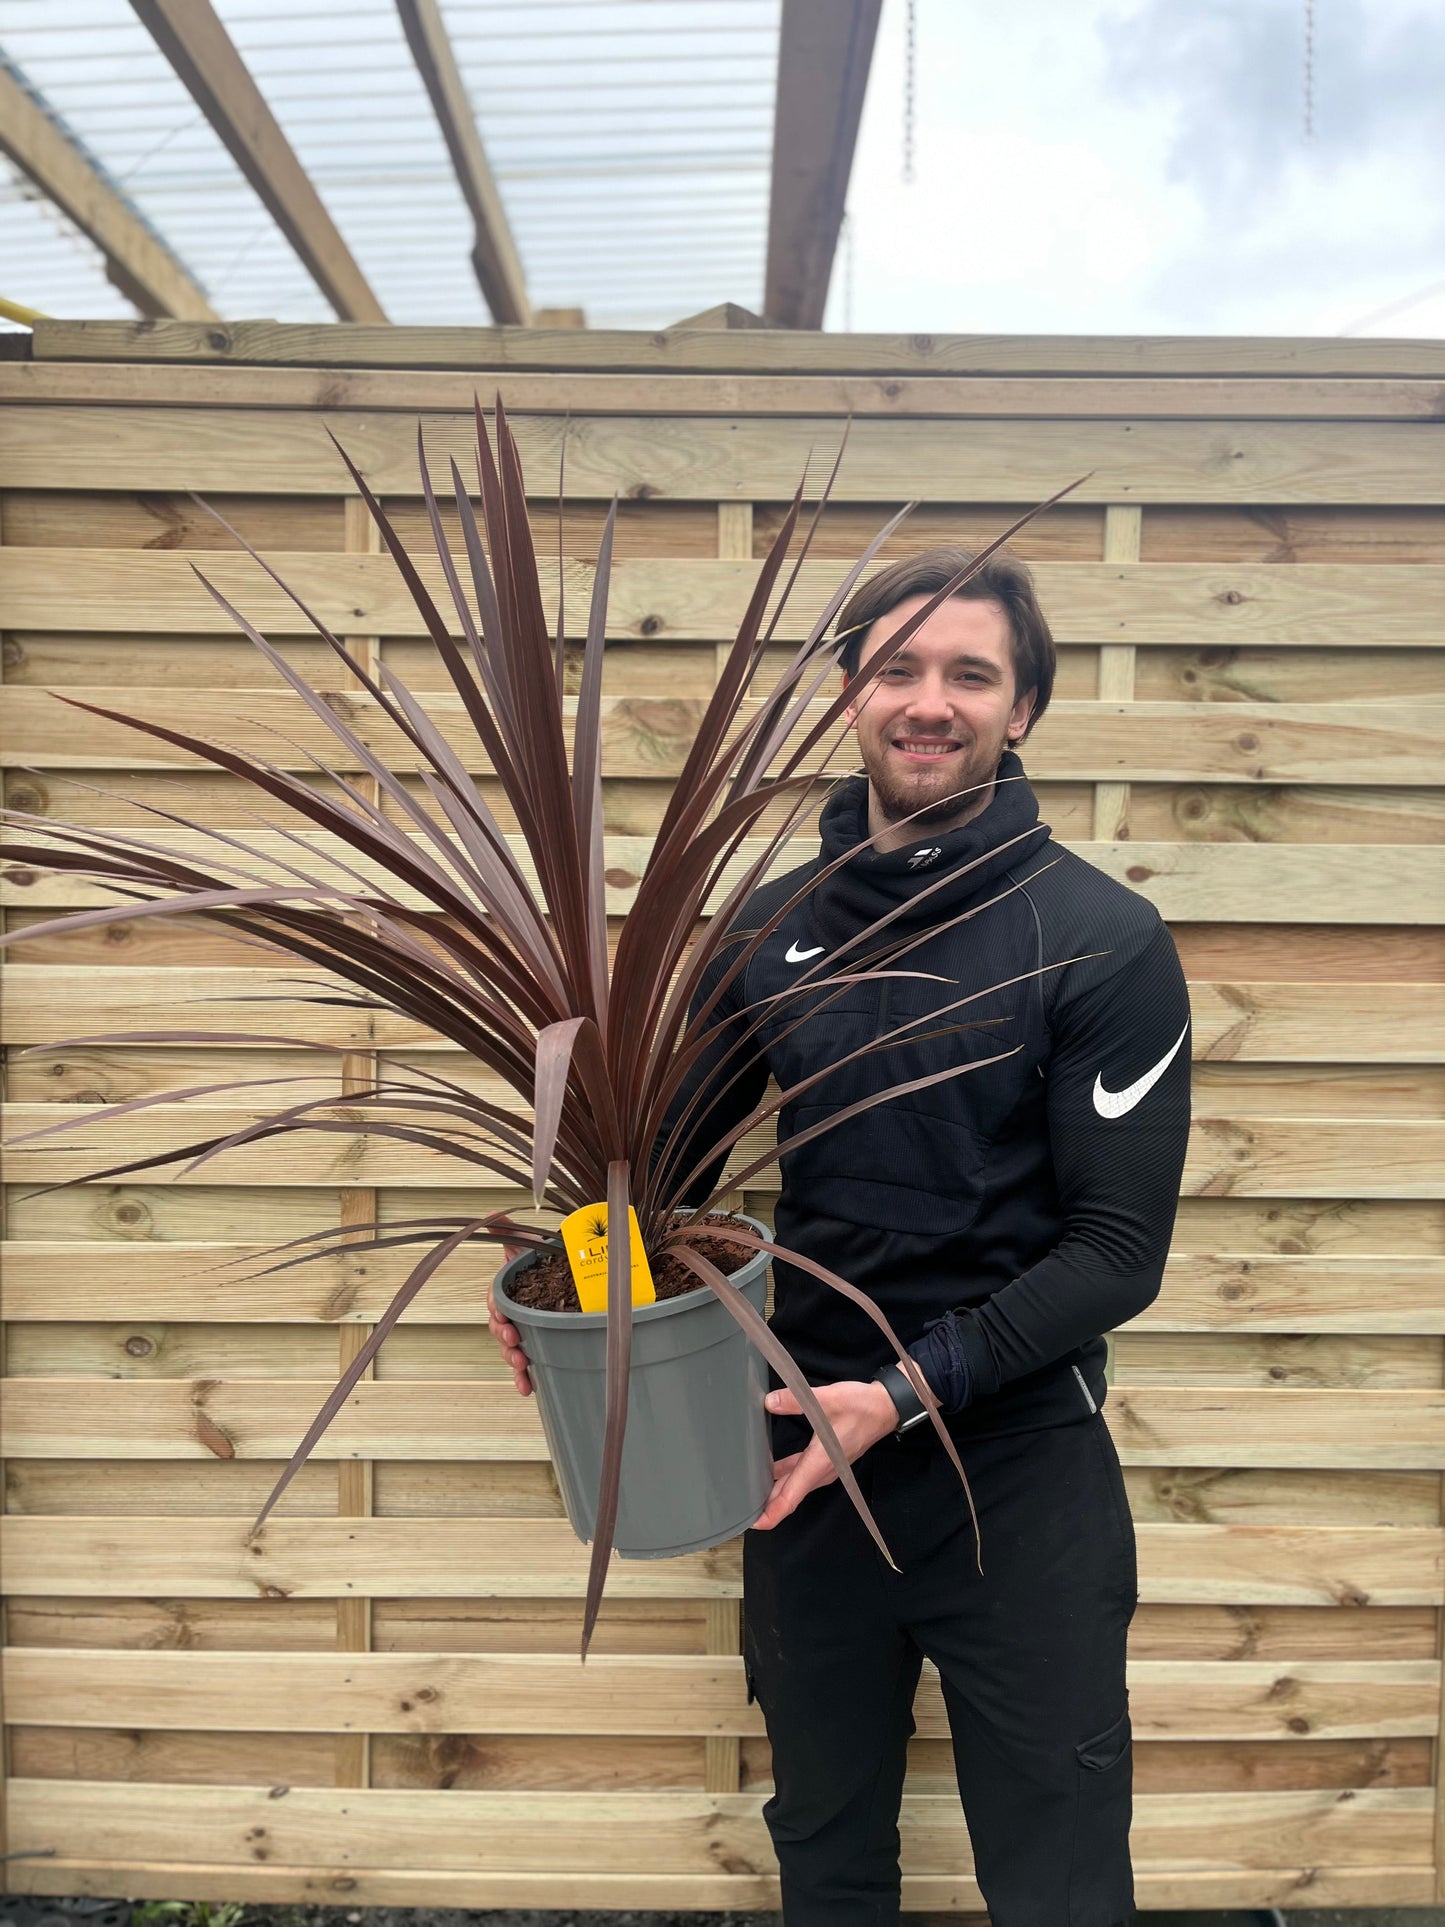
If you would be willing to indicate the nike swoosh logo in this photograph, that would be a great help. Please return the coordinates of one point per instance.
(794, 955)
(1117, 1103)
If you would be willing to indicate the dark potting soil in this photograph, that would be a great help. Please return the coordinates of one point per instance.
(547, 1284)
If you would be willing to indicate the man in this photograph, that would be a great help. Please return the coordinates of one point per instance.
(1003, 1219)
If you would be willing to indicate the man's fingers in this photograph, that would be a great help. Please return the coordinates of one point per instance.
(807, 1471)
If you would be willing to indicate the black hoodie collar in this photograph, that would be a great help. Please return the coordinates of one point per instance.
(875, 882)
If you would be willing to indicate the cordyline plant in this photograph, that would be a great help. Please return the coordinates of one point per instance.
(515, 972)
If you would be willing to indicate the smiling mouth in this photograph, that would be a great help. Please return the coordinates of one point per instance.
(924, 749)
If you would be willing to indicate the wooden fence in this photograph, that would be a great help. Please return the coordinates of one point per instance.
(379, 1700)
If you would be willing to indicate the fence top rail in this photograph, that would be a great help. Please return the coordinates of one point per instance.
(756, 351)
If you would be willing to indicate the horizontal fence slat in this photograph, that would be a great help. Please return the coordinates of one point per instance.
(75, 1418)
(1268, 1023)
(256, 1884)
(1060, 397)
(676, 350)
(1160, 604)
(1170, 1700)
(469, 1420)
(465, 1558)
(1238, 1156)
(1334, 743)
(702, 458)
(1280, 1426)
(659, 1831)
(1287, 1293)
(1341, 883)
(85, 1281)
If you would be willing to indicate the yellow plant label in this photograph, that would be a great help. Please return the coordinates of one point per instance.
(584, 1236)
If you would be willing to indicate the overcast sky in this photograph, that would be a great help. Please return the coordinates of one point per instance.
(1143, 166)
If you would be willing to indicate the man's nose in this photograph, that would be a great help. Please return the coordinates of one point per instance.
(930, 700)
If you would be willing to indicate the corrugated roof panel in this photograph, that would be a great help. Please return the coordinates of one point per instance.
(47, 264)
(631, 141)
(98, 68)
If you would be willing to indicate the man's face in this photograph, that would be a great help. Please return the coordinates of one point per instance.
(938, 718)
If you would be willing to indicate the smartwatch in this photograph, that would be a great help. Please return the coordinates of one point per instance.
(900, 1388)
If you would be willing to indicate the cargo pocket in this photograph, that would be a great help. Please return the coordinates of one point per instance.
(1108, 1749)
(1101, 1886)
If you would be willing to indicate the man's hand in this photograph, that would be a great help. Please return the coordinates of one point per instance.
(861, 1412)
(506, 1335)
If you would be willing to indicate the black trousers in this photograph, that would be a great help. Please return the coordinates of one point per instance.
(1031, 1655)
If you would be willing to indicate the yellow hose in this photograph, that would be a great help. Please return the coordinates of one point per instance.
(12, 311)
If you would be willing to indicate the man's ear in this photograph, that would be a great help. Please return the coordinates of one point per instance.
(851, 712)
(1019, 716)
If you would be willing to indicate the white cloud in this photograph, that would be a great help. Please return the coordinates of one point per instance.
(1142, 166)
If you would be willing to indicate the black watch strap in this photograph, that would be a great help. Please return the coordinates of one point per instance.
(910, 1407)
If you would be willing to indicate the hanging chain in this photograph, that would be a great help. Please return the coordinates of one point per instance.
(1309, 75)
(910, 64)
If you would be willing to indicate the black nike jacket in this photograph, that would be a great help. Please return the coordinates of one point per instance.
(1003, 1219)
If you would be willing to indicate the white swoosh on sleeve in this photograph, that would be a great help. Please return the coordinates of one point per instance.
(794, 955)
(1116, 1103)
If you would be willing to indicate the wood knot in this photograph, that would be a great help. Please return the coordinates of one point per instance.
(204, 1428)
(339, 1302)
(1138, 873)
(650, 626)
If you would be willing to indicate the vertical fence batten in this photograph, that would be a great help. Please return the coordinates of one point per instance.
(356, 1478)
(1246, 728)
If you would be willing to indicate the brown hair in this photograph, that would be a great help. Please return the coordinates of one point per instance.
(1002, 579)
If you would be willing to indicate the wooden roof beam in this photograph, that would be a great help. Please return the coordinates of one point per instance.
(825, 48)
(190, 35)
(494, 254)
(136, 261)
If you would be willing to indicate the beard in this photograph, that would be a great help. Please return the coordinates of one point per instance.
(896, 797)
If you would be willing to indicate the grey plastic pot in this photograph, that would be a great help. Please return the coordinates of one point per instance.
(696, 1464)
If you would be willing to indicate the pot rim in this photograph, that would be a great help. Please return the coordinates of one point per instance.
(592, 1320)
